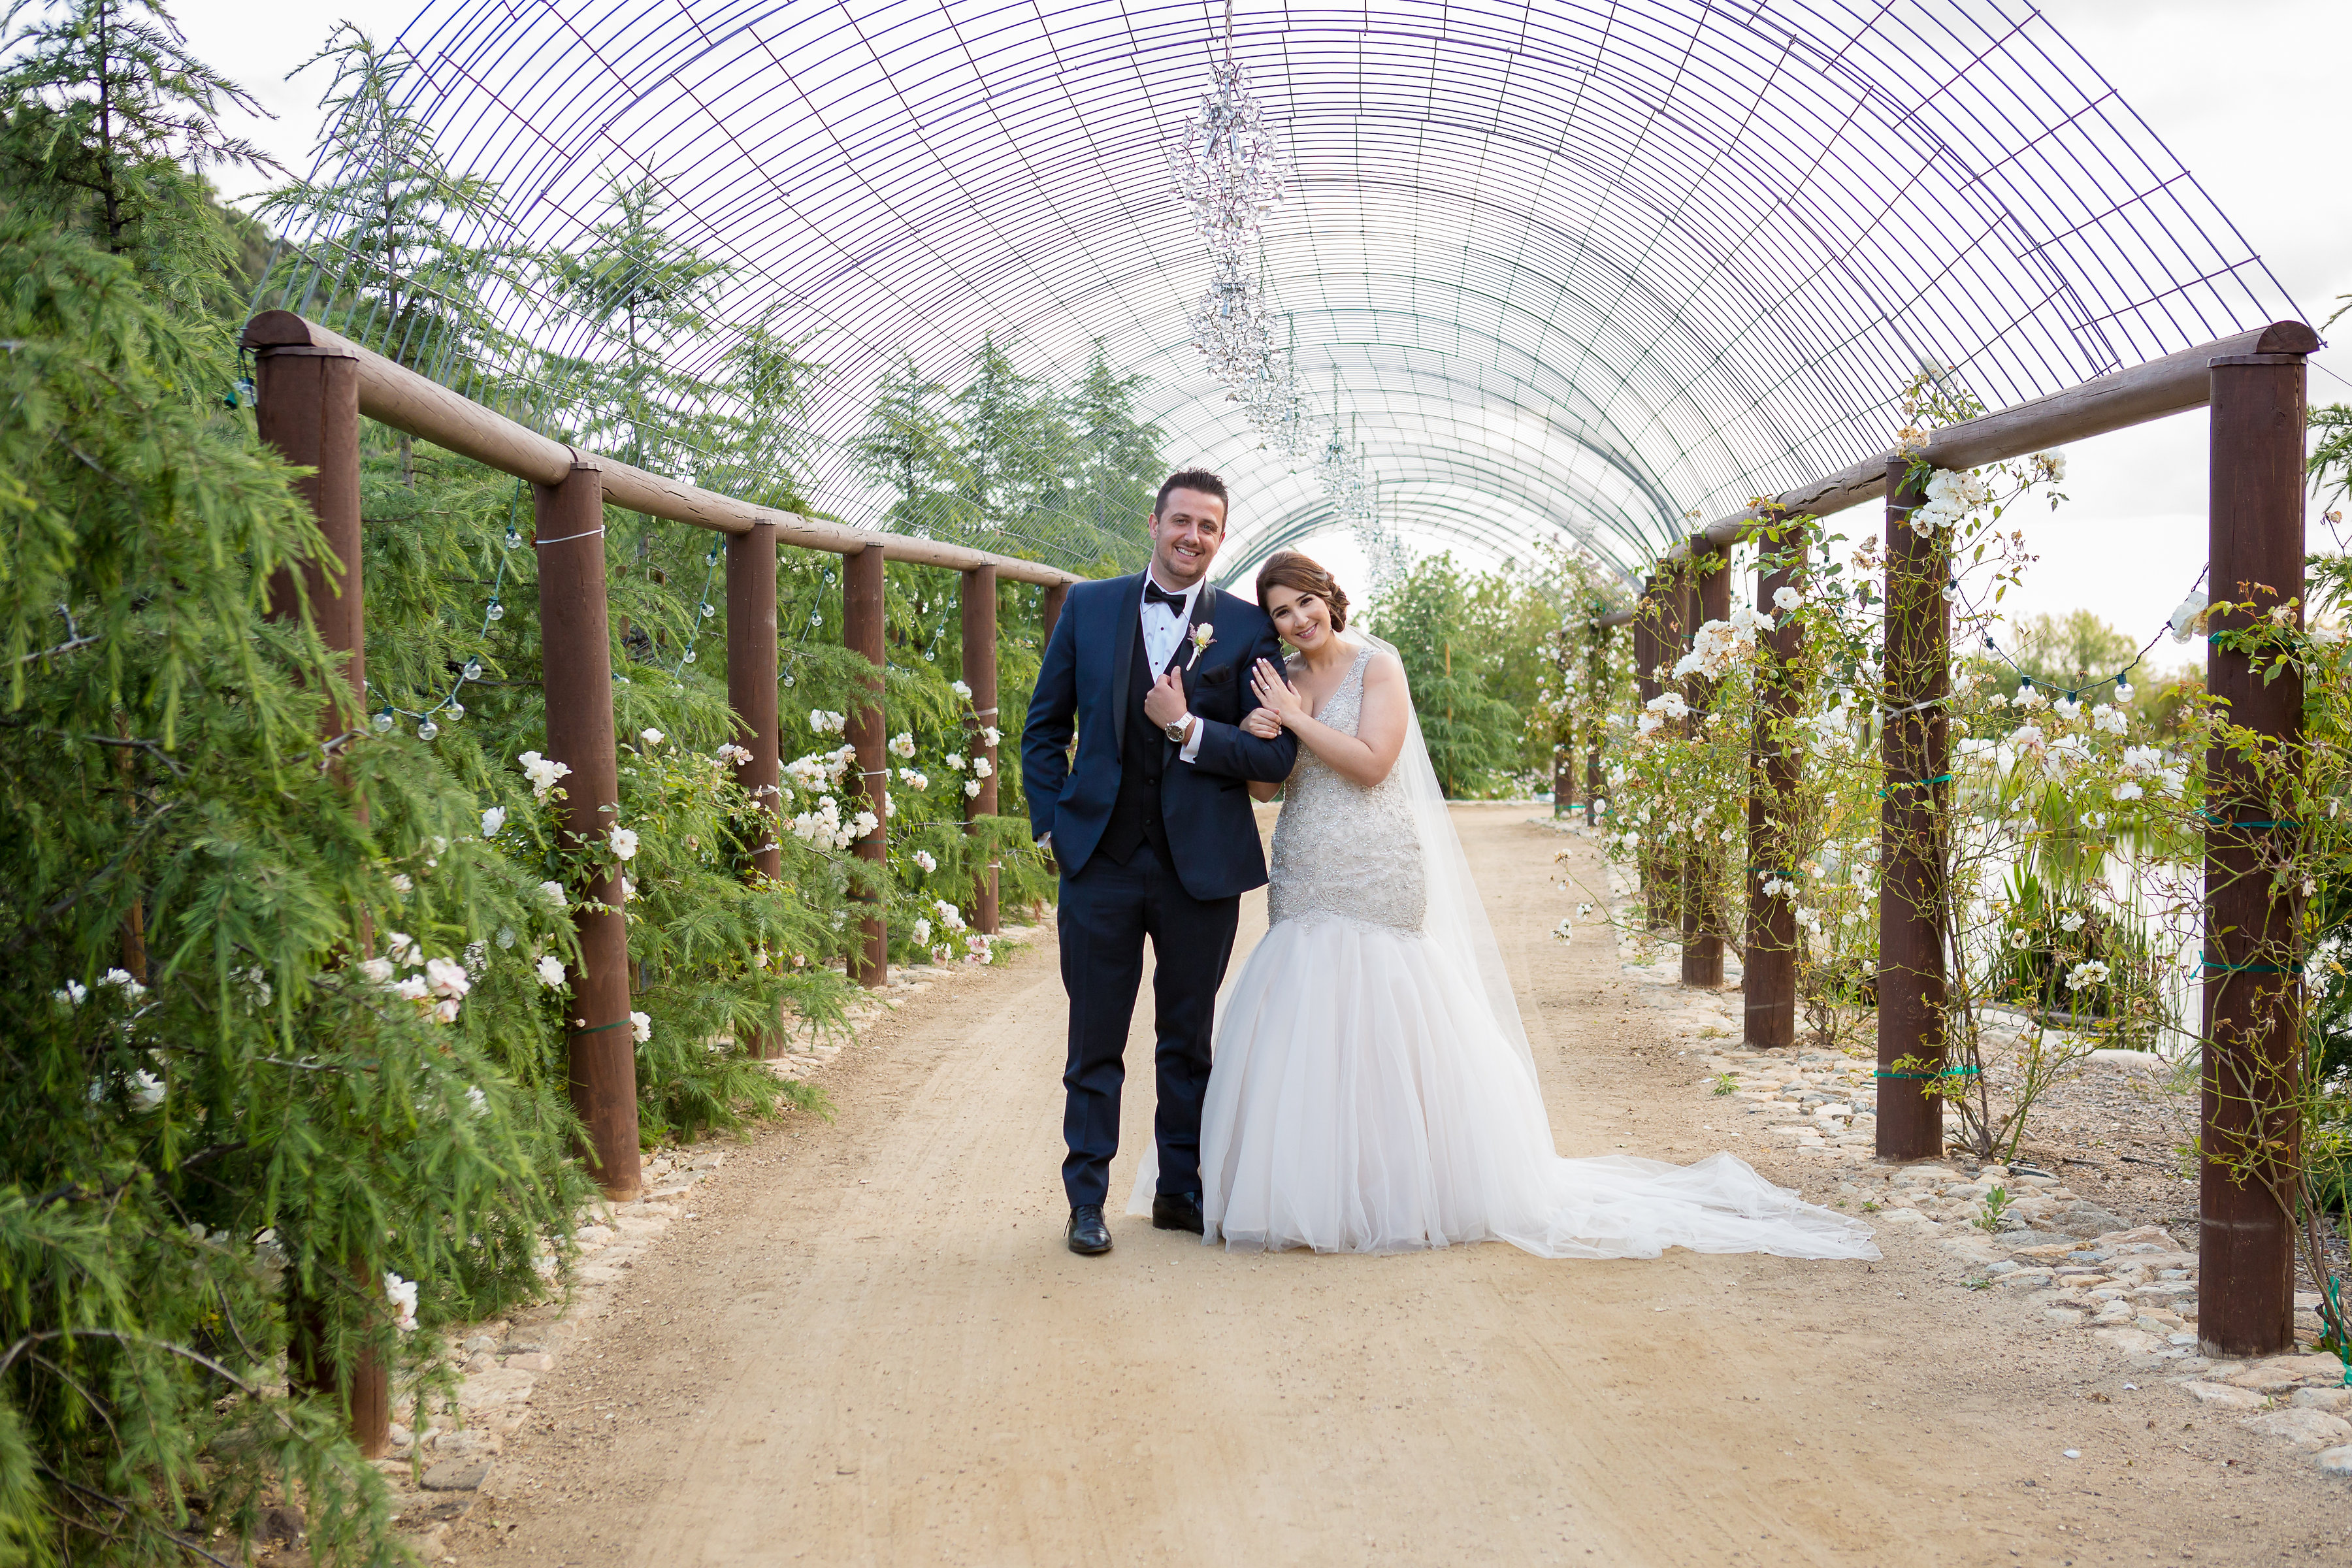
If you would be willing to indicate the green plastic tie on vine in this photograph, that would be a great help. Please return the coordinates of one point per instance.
(1914, 784)
(2213, 968)
(1947, 1072)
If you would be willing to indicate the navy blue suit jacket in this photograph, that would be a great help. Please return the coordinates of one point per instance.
(1205, 804)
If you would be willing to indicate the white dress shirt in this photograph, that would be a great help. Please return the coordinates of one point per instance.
(1163, 634)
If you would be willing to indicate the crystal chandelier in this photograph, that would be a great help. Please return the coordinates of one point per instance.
(1228, 169)
(1229, 328)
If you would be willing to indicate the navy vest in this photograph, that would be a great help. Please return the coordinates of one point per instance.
(1144, 756)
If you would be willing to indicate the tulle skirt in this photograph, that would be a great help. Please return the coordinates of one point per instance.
(1363, 1100)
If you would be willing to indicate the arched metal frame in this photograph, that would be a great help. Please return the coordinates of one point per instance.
(1590, 268)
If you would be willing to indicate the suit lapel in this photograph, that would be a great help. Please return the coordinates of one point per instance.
(1203, 609)
(1126, 607)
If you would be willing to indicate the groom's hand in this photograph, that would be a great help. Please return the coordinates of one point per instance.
(1164, 703)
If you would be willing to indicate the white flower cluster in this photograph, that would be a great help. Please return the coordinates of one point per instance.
(651, 738)
(641, 1027)
(1786, 598)
(961, 689)
(438, 990)
(1777, 887)
(923, 857)
(950, 916)
(1718, 645)
(400, 1294)
(543, 772)
(1951, 496)
(75, 992)
(734, 755)
(2091, 971)
(1663, 708)
(624, 843)
(824, 723)
(902, 745)
(825, 828)
(914, 778)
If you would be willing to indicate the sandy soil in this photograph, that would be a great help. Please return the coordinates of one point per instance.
(871, 1347)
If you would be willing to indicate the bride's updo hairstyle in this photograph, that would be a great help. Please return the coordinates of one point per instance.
(1289, 569)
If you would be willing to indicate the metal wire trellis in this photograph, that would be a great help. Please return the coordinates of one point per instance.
(1579, 268)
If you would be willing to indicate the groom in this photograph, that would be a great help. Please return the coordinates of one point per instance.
(1153, 831)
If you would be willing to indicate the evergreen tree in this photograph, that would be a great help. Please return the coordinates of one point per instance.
(913, 447)
(642, 294)
(388, 218)
(111, 124)
(1118, 468)
(1431, 614)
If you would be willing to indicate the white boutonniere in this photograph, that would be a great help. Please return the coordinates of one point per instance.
(1202, 636)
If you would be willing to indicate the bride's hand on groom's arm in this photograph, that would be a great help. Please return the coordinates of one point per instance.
(1277, 698)
(1262, 723)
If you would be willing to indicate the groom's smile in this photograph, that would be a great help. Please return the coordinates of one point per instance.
(1185, 534)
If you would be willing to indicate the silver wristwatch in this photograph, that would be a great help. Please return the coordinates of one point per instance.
(1177, 729)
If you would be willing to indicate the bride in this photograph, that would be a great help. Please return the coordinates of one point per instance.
(1372, 1088)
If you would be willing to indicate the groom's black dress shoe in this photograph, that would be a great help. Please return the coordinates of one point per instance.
(1089, 1237)
(1177, 1211)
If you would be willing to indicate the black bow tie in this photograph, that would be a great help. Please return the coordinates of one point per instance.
(1153, 594)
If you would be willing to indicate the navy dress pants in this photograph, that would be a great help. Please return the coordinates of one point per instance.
(1107, 911)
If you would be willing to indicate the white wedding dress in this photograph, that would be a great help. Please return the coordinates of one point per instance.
(1373, 1090)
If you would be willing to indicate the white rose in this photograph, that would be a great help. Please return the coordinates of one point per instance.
(624, 843)
(641, 1027)
(492, 820)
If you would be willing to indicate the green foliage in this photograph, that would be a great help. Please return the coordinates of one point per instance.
(224, 1122)
(1455, 633)
(108, 126)
(1008, 464)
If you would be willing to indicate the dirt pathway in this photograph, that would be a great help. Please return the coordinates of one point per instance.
(871, 1347)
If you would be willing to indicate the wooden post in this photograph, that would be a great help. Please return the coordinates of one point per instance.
(1910, 861)
(979, 605)
(1563, 733)
(1769, 963)
(752, 694)
(1706, 597)
(1596, 670)
(576, 660)
(1654, 617)
(862, 632)
(307, 407)
(1049, 614)
(2253, 995)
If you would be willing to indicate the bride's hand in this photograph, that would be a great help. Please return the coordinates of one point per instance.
(1274, 694)
(1262, 723)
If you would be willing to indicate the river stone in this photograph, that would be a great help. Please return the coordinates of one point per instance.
(2305, 1428)
(2336, 1399)
(2222, 1395)
(2336, 1461)
(456, 1475)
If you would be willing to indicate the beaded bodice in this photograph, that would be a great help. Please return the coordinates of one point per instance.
(1340, 848)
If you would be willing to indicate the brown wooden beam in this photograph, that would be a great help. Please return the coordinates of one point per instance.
(2253, 962)
(306, 408)
(576, 657)
(1915, 746)
(751, 695)
(862, 585)
(1706, 597)
(1655, 614)
(395, 395)
(1775, 765)
(2173, 385)
(978, 603)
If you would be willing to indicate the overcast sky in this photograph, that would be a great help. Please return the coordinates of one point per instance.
(2248, 94)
